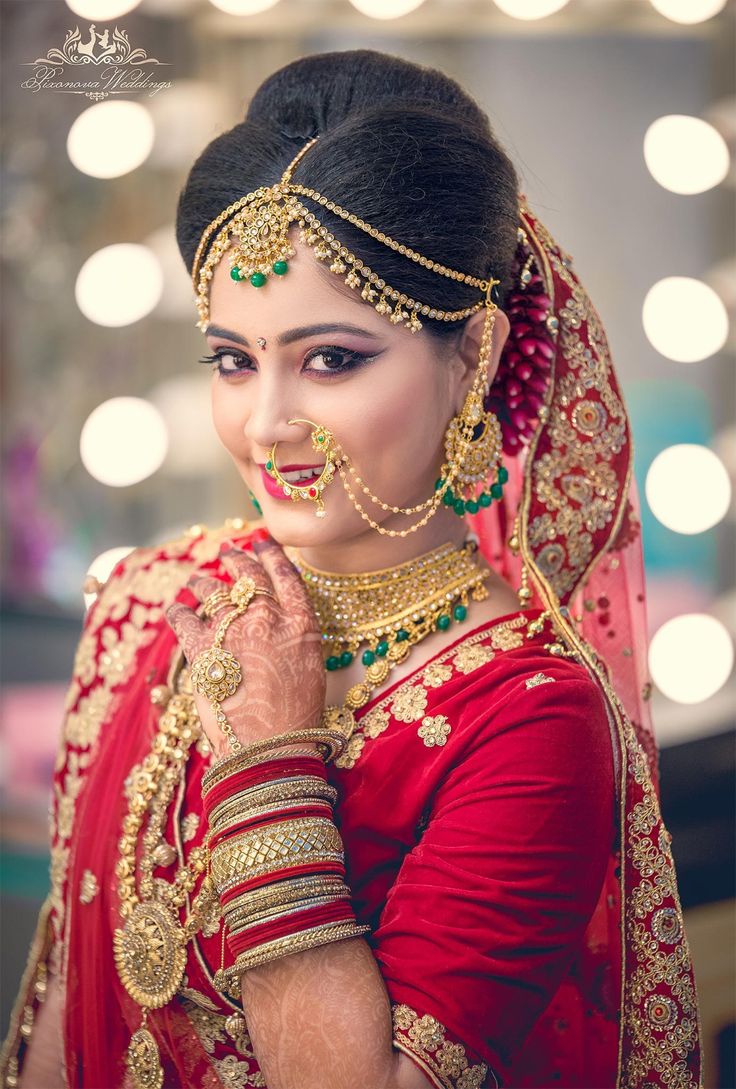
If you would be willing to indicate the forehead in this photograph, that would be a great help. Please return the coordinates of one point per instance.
(308, 290)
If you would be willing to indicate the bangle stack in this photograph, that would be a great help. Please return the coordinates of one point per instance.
(276, 855)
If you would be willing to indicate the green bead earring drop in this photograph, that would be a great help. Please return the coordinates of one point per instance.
(255, 502)
(472, 506)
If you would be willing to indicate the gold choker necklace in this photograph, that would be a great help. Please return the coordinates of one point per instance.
(395, 604)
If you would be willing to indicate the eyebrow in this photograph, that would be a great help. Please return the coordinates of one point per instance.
(299, 333)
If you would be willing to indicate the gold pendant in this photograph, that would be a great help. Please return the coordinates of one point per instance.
(150, 955)
(143, 1061)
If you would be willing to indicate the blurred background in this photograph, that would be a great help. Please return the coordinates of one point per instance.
(620, 116)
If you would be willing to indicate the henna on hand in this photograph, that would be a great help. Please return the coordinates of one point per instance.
(276, 641)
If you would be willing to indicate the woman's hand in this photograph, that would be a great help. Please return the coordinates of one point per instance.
(276, 641)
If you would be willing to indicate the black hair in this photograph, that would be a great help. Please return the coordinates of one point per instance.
(401, 145)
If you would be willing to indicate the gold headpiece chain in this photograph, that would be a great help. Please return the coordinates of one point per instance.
(261, 220)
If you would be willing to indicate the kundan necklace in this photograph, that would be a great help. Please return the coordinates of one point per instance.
(390, 610)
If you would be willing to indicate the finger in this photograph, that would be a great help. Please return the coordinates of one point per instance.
(189, 629)
(284, 576)
(238, 562)
(204, 585)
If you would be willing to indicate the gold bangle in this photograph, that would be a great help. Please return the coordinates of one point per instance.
(292, 943)
(249, 904)
(276, 808)
(283, 843)
(241, 924)
(297, 789)
(334, 742)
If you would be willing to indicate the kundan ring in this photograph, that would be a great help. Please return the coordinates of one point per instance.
(216, 673)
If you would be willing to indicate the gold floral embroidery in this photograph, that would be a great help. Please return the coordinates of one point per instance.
(469, 658)
(189, 826)
(538, 678)
(424, 1039)
(436, 674)
(375, 722)
(409, 703)
(506, 636)
(434, 730)
(88, 887)
(234, 1073)
(120, 623)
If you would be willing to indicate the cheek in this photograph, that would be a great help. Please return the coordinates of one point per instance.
(399, 420)
(228, 414)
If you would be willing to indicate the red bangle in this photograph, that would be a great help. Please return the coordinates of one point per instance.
(298, 809)
(305, 870)
(270, 771)
(293, 923)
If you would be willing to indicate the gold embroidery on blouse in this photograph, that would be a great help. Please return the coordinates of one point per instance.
(88, 887)
(424, 1039)
(409, 703)
(538, 678)
(434, 730)
(469, 658)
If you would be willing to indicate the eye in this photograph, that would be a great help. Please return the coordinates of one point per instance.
(336, 360)
(227, 361)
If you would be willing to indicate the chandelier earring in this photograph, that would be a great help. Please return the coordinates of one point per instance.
(479, 459)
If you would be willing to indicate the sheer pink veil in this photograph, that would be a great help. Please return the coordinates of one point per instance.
(568, 526)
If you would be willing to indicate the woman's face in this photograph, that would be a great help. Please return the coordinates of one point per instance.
(383, 391)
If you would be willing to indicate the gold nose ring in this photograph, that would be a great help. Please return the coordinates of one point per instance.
(323, 442)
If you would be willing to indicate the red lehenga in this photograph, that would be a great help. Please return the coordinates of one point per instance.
(499, 806)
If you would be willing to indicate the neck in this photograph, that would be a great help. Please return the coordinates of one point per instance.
(371, 551)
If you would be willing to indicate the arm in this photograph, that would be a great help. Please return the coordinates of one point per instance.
(321, 1019)
(480, 926)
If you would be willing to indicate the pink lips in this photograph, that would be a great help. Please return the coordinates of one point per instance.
(275, 489)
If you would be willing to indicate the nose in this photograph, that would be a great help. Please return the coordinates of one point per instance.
(267, 421)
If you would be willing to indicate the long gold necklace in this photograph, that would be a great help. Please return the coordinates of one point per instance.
(391, 610)
(150, 949)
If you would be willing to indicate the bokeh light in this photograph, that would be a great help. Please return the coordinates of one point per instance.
(119, 284)
(685, 154)
(386, 9)
(688, 11)
(123, 441)
(684, 319)
(102, 567)
(244, 7)
(530, 9)
(688, 488)
(111, 139)
(101, 9)
(691, 657)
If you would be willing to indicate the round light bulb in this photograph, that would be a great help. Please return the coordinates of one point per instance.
(123, 441)
(102, 567)
(244, 7)
(684, 319)
(685, 154)
(530, 9)
(688, 11)
(110, 139)
(101, 9)
(691, 657)
(688, 488)
(119, 284)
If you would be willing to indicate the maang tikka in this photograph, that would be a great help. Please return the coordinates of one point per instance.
(260, 222)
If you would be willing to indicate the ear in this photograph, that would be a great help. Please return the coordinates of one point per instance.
(468, 350)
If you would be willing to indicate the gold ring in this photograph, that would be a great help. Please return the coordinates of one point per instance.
(216, 600)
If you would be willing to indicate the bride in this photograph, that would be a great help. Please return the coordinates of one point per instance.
(364, 793)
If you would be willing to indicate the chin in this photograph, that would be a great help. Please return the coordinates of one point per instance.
(300, 527)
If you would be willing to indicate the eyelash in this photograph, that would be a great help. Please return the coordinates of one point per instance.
(356, 360)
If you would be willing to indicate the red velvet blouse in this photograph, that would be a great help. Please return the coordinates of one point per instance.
(477, 809)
